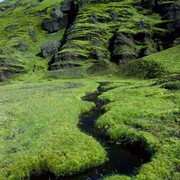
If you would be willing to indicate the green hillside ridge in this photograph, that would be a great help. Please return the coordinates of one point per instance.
(102, 30)
(53, 53)
(165, 63)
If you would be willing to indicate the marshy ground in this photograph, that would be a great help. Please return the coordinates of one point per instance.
(39, 126)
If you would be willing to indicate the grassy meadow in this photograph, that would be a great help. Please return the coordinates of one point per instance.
(39, 129)
(39, 126)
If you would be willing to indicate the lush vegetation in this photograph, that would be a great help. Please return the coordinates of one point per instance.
(22, 36)
(39, 129)
(40, 109)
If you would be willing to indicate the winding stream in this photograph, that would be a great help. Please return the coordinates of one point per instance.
(121, 160)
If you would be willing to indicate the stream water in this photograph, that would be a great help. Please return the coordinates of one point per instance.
(121, 160)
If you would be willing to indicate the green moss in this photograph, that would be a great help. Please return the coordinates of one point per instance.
(142, 115)
(155, 65)
(19, 18)
(40, 133)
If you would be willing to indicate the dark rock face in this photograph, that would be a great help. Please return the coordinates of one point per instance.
(63, 22)
(50, 48)
(59, 17)
(5, 74)
(8, 67)
(56, 13)
(50, 25)
(170, 12)
(66, 6)
(173, 15)
(149, 3)
(123, 48)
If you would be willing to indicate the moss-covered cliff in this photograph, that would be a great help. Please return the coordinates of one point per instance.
(40, 35)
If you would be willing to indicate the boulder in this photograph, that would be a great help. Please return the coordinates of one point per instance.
(50, 25)
(50, 48)
(56, 13)
(66, 6)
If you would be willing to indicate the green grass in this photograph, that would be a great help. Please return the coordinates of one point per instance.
(147, 116)
(39, 129)
(165, 63)
(39, 126)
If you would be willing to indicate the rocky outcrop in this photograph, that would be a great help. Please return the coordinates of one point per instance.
(123, 48)
(173, 15)
(170, 13)
(8, 67)
(60, 17)
(50, 48)
(57, 21)
(95, 31)
(115, 33)
(5, 74)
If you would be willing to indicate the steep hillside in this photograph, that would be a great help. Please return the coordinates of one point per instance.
(41, 35)
(22, 36)
(165, 63)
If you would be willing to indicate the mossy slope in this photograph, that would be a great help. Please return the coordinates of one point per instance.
(165, 63)
(102, 31)
(22, 36)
